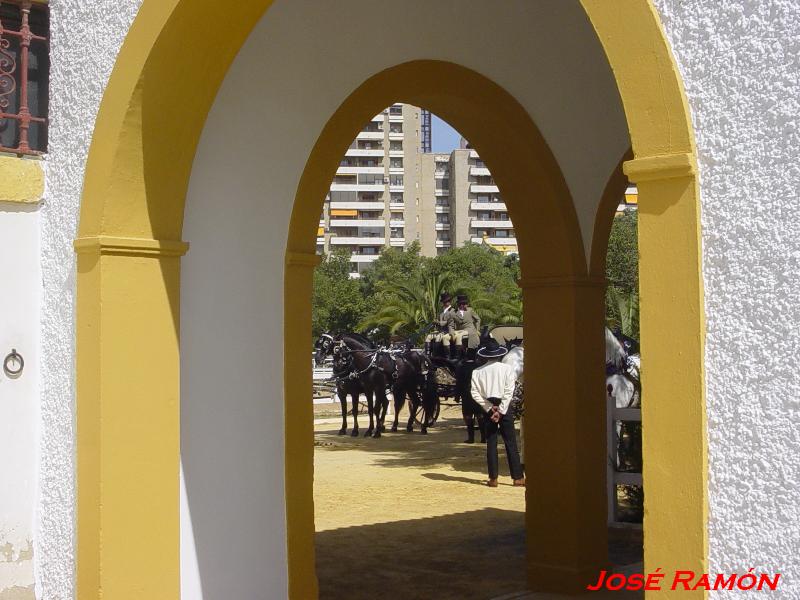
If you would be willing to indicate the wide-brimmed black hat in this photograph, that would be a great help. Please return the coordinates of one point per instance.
(492, 350)
(445, 297)
(462, 298)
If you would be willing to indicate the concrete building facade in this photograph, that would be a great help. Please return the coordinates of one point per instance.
(389, 192)
(374, 199)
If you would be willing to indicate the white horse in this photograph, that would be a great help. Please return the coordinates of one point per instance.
(515, 358)
(622, 382)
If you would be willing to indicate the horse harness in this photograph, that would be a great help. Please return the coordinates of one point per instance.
(339, 347)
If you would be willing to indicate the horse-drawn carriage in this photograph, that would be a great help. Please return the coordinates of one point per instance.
(426, 380)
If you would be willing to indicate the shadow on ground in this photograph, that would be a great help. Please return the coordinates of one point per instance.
(442, 446)
(459, 561)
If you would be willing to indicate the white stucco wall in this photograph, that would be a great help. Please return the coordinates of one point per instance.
(741, 67)
(85, 39)
(267, 117)
(20, 292)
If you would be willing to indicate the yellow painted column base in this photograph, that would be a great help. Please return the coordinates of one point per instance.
(128, 400)
(565, 435)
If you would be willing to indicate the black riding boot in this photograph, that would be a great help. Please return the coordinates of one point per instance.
(453, 351)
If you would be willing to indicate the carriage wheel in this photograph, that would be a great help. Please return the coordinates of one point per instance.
(431, 418)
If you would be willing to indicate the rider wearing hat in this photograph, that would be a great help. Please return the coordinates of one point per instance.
(441, 334)
(493, 389)
(463, 322)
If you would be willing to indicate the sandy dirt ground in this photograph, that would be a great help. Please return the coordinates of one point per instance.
(408, 516)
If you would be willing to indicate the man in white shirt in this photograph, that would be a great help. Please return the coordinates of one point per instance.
(493, 389)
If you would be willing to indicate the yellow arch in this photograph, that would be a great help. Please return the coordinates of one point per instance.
(153, 112)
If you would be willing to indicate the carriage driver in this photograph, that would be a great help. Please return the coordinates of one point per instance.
(441, 334)
(463, 322)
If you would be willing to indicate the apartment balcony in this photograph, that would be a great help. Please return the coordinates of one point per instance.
(396, 135)
(476, 188)
(364, 152)
(439, 210)
(397, 153)
(441, 174)
(493, 241)
(395, 118)
(370, 135)
(442, 226)
(493, 206)
(397, 206)
(473, 154)
(442, 243)
(378, 118)
(396, 188)
(320, 241)
(357, 205)
(439, 193)
(396, 170)
(357, 223)
(359, 171)
(490, 224)
(364, 258)
(397, 242)
(357, 187)
(397, 223)
(358, 241)
(479, 172)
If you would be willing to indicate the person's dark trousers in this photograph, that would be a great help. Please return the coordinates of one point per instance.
(506, 429)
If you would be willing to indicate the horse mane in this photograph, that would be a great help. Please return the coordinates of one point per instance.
(358, 337)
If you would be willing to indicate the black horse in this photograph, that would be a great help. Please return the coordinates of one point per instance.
(363, 368)
(345, 385)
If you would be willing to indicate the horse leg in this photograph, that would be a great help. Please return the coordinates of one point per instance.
(370, 411)
(381, 404)
(342, 395)
(354, 399)
(413, 407)
(469, 420)
(399, 401)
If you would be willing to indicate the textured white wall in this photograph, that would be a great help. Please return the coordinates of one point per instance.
(86, 37)
(740, 62)
(20, 291)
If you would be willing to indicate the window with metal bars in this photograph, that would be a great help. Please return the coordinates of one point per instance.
(24, 76)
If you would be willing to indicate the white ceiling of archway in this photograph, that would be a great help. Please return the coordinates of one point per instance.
(306, 57)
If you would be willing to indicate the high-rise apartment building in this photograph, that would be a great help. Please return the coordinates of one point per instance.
(372, 199)
(389, 191)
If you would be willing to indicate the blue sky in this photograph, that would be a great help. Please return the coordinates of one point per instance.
(445, 138)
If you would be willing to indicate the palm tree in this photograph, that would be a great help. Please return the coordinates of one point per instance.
(409, 307)
(499, 309)
(624, 305)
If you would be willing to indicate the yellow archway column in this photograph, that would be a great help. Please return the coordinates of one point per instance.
(674, 442)
(565, 435)
(299, 424)
(128, 459)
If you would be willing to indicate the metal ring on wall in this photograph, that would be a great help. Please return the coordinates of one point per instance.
(9, 361)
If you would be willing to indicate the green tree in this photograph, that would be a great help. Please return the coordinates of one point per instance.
(337, 303)
(622, 272)
(408, 307)
(393, 265)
